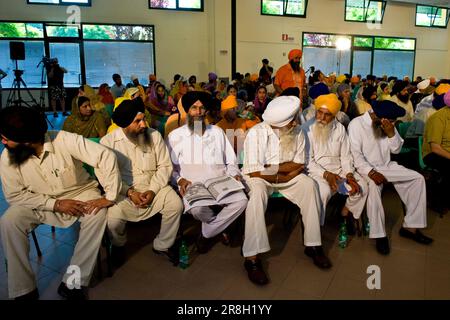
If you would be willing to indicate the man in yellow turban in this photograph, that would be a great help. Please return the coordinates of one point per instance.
(330, 161)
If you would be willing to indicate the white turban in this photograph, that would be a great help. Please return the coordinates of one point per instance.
(282, 110)
(423, 85)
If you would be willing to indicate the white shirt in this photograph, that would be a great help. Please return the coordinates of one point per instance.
(334, 156)
(369, 152)
(262, 147)
(59, 172)
(199, 158)
(425, 103)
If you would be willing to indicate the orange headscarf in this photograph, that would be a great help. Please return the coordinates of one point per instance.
(295, 52)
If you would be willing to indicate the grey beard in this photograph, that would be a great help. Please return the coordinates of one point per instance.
(321, 132)
(378, 131)
(142, 140)
(196, 125)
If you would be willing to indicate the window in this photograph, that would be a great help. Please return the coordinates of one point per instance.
(429, 16)
(117, 32)
(21, 30)
(365, 10)
(63, 31)
(61, 2)
(366, 55)
(293, 8)
(185, 5)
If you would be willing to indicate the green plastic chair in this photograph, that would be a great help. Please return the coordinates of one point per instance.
(87, 167)
(402, 128)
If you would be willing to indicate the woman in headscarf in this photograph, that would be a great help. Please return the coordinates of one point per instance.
(96, 102)
(180, 89)
(84, 120)
(261, 100)
(160, 106)
(107, 97)
(345, 96)
(383, 91)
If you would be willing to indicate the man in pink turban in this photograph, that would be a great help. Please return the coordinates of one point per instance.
(291, 74)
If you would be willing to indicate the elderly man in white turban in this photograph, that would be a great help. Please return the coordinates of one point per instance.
(274, 157)
(330, 162)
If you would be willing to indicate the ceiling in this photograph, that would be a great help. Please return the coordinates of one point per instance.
(439, 3)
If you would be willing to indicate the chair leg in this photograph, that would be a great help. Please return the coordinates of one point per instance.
(36, 244)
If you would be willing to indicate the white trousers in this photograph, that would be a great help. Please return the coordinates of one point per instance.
(301, 190)
(18, 222)
(354, 203)
(213, 224)
(410, 186)
(170, 208)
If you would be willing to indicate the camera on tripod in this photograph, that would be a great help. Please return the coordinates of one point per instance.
(48, 62)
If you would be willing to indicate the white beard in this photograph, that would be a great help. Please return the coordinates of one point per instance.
(321, 132)
(288, 144)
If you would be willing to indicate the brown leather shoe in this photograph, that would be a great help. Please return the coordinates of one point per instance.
(318, 256)
(255, 272)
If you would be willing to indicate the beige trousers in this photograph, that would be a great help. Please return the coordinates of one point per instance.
(167, 202)
(301, 190)
(18, 221)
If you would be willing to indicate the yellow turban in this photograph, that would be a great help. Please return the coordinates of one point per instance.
(229, 103)
(341, 78)
(328, 101)
(442, 89)
(254, 77)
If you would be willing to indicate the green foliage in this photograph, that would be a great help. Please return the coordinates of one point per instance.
(20, 30)
(363, 42)
(9, 30)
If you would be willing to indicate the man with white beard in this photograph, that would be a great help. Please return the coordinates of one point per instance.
(274, 157)
(330, 161)
(373, 138)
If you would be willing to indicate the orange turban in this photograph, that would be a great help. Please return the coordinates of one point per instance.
(229, 103)
(328, 101)
(294, 53)
(254, 77)
(443, 88)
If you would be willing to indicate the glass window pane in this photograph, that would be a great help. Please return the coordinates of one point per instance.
(327, 60)
(362, 42)
(274, 7)
(34, 51)
(375, 11)
(394, 43)
(321, 40)
(103, 59)
(393, 63)
(68, 55)
(355, 10)
(21, 30)
(62, 31)
(163, 4)
(361, 62)
(295, 7)
(424, 15)
(190, 4)
(44, 1)
(440, 19)
(116, 32)
(75, 1)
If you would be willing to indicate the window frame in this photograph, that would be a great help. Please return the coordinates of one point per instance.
(373, 48)
(434, 17)
(366, 11)
(177, 8)
(50, 39)
(285, 2)
(88, 4)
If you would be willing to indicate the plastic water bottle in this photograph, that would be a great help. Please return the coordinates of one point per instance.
(343, 235)
(184, 255)
(367, 228)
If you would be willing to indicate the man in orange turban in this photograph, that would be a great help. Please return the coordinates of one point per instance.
(291, 74)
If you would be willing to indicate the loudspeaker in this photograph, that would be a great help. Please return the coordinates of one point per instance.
(17, 50)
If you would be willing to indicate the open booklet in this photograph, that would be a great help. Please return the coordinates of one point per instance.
(213, 189)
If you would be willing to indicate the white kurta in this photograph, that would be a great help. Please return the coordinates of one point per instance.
(335, 157)
(262, 147)
(199, 158)
(372, 153)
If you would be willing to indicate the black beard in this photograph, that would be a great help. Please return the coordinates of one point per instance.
(20, 154)
(403, 98)
(295, 65)
(192, 121)
(377, 130)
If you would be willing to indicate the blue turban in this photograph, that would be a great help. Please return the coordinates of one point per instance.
(387, 109)
(438, 102)
(318, 90)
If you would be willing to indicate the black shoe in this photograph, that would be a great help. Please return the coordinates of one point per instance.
(71, 294)
(204, 244)
(255, 272)
(30, 296)
(55, 114)
(172, 254)
(118, 256)
(65, 114)
(417, 236)
(382, 245)
(350, 224)
(318, 256)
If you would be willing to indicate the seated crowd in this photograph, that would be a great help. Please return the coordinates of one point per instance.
(304, 140)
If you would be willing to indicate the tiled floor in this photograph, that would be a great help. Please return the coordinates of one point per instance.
(411, 271)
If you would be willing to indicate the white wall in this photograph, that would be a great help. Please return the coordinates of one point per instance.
(260, 36)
